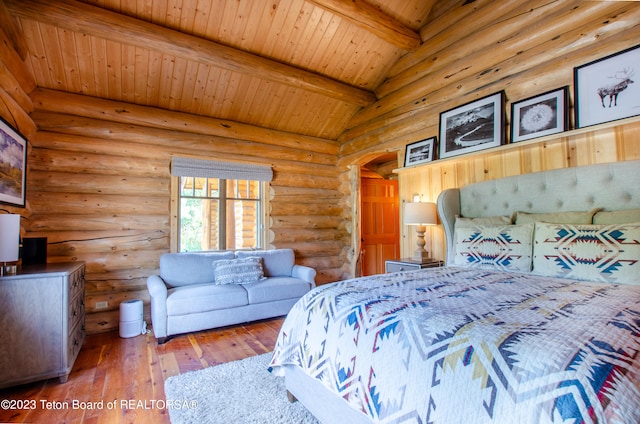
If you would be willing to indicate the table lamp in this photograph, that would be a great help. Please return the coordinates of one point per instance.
(420, 214)
(9, 241)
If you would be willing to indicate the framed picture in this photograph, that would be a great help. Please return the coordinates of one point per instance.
(606, 90)
(420, 152)
(13, 166)
(474, 126)
(540, 115)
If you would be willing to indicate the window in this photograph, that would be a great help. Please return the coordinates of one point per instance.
(216, 211)
(219, 214)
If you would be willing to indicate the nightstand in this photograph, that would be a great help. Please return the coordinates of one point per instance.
(408, 264)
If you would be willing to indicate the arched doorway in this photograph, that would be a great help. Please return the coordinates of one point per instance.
(379, 214)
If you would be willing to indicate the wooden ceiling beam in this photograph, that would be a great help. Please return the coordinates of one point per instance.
(13, 33)
(101, 23)
(366, 16)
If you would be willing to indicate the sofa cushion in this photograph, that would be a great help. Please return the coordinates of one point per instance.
(204, 297)
(276, 263)
(276, 288)
(238, 271)
(181, 269)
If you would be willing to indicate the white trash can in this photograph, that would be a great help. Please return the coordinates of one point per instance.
(131, 323)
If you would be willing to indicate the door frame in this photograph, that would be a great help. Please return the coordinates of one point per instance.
(354, 181)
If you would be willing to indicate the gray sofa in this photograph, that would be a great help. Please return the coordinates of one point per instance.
(199, 291)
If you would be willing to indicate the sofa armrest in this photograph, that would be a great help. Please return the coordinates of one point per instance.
(158, 292)
(305, 273)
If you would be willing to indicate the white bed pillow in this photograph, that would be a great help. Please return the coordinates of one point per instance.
(503, 247)
(238, 271)
(625, 216)
(462, 221)
(556, 217)
(605, 253)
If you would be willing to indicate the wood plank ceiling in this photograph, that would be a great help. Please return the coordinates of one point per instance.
(301, 66)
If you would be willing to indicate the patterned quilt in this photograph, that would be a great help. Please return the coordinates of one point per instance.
(461, 345)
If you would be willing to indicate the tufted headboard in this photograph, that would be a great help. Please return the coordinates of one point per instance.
(610, 186)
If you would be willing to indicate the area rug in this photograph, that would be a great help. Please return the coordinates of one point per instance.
(239, 392)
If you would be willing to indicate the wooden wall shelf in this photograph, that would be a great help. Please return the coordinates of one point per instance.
(621, 123)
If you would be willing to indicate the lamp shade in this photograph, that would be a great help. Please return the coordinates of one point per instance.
(9, 237)
(420, 213)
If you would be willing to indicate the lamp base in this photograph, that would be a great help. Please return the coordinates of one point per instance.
(8, 268)
(421, 256)
(421, 253)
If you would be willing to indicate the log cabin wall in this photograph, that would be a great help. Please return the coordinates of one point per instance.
(16, 82)
(99, 189)
(523, 48)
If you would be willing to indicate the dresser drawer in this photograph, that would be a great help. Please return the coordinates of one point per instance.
(76, 337)
(76, 282)
(398, 267)
(76, 310)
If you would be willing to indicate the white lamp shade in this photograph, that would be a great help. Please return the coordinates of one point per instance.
(420, 213)
(9, 237)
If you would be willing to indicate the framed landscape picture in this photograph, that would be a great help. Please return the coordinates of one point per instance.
(540, 115)
(420, 152)
(13, 166)
(474, 126)
(606, 89)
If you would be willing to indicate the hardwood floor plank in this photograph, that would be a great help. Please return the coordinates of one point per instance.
(128, 375)
(198, 351)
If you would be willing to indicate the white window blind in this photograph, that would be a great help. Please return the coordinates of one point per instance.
(203, 168)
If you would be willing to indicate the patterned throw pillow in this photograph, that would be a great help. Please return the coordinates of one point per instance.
(238, 271)
(503, 247)
(605, 253)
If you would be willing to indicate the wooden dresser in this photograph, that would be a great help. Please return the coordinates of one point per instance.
(41, 321)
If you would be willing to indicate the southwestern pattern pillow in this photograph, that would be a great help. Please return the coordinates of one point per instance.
(238, 271)
(503, 247)
(605, 253)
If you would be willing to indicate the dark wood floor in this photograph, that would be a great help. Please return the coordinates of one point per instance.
(132, 372)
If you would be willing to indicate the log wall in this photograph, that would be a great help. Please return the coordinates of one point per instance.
(99, 189)
(16, 81)
(523, 48)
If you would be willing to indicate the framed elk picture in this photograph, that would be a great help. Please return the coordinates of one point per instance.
(606, 89)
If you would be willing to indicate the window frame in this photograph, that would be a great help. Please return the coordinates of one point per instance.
(263, 216)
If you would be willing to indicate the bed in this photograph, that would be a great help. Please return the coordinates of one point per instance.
(535, 317)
